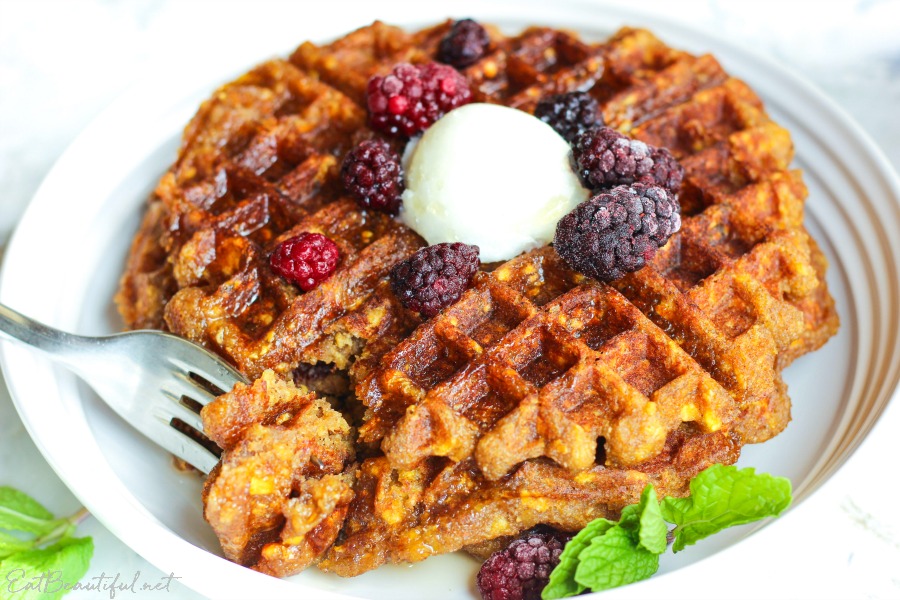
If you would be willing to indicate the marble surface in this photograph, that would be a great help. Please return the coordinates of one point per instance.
(62, 62)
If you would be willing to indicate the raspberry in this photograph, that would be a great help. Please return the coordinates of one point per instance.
(617, 231)
(372, 174)
(307, 259)
(434, 277)
(569, 114)
(521, 571)
(410, 98)
(464, 44)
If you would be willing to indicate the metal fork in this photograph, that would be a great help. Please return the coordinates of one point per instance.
(156, 381)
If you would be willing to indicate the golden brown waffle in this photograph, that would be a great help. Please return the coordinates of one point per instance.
(541, 396)
(278, 497)
(259, 164)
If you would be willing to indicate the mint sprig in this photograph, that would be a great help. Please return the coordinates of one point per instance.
(723, 497)
(628, 551)
(39, 553)
(614, 559)
(607, 554)
(652, 528)
(562, 582)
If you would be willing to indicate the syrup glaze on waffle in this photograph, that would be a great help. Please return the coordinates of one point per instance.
(541, 396)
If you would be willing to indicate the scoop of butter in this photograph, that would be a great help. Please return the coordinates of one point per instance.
(492, 176)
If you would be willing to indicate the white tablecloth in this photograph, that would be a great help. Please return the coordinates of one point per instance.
(62, 62)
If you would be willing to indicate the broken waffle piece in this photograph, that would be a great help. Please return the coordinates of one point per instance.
(279, 495)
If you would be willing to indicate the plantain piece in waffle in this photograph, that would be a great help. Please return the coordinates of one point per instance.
(540, 397)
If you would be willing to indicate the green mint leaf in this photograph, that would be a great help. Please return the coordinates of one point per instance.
(630, 518)
(10, 544)
(21, 512)
(722, 496)
(562, 582)
(47, 573)
(642, 523)
(614, 559)
(645, 523)
(653, 529)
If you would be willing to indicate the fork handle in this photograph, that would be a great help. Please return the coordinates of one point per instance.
(17, 327)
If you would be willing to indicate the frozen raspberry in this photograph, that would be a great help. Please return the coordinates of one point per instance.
(372, 174)
(464, 44)
(521, 571)
(412, 97)
(569, 114)
(434, 277)
(617, 231)
(307, 260)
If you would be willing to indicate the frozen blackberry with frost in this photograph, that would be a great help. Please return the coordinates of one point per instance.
(521, 571)
(464, 44)
(435, 277)
(666, 170)
(617, 231)
(371, 173)
(605, 158)
(569, 114)
(410, 98)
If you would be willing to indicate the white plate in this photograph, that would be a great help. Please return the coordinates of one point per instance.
(76, 232)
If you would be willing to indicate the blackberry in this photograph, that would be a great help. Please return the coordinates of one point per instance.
(569, 114)
(666, 171)
(434, 277)
(617, 231)
(410, 98)
(464, 44)
(371, 172)
(307, 259)
(605, 158)
(521, 571)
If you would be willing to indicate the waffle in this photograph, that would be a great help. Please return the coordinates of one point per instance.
(258, 165)
(278, 497)
(541, 397)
